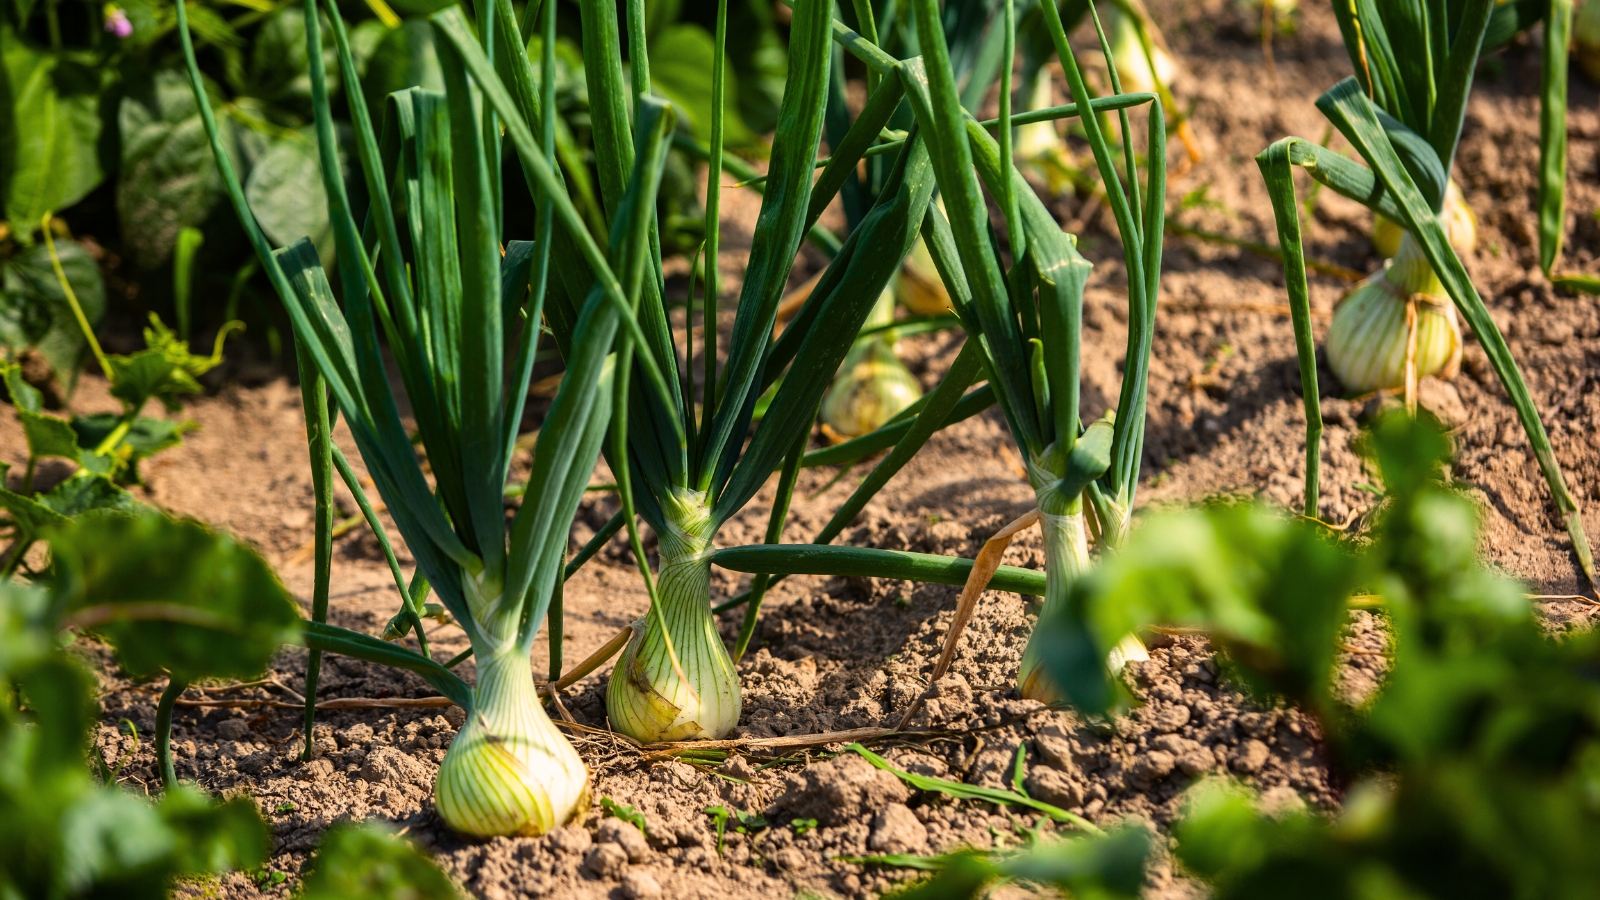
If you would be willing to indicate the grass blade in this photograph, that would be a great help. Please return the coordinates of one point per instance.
(960, 790)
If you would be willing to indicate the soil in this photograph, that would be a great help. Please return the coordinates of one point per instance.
(1225, 419)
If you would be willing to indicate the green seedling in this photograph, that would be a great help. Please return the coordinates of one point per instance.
(626, 813)
(743, 822)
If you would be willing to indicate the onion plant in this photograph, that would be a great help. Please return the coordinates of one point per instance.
(423, 271)
(1028, 319)
(1399, 325)
(873, 385)
(1403, 113)
(1023, 327)
(684, 465)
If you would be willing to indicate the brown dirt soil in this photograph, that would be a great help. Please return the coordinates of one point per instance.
(1225, 419)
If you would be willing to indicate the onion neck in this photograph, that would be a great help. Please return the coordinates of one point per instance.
(1411, 273)
(1066, 558)
(650, 698)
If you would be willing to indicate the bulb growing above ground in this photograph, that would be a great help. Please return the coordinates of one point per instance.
(1138, 72)
(686, 688)
(1039, 148)
(509, 771)
(873, 385)
(918, 286)
(1369, 338)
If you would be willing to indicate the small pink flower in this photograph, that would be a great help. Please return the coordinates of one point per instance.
(117, 21)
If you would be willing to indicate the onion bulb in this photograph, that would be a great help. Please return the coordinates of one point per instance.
(1586, 37)
(509, 771)
(675, 680)
(1066, 558)
(873, 385)
(1367, 341)
(1138, 72)
(1460, 225)
(918, 286)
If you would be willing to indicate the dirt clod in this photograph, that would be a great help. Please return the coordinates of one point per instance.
(573, 840)
(606, 860)
(1054, 787)
(624, 835)
(640, 886)
(1250, 757)
(844, 789)
(896, 829)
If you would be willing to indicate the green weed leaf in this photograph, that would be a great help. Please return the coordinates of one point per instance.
(173, 595)
(34, 311)
(368, 861)
(167, 180)
(48, 436)
(49, 157)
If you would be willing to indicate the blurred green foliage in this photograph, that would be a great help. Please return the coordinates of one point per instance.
(1473, 772)
(369, 861)
(170, 596)
(98, 125)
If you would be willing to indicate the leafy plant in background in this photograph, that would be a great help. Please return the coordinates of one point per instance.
(64, 834)
(39, 326)
(1471, 773)
(1403, 113)
(122, 144)
(369, 861)
(97, 121)
(107, 447)
(169, 596)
